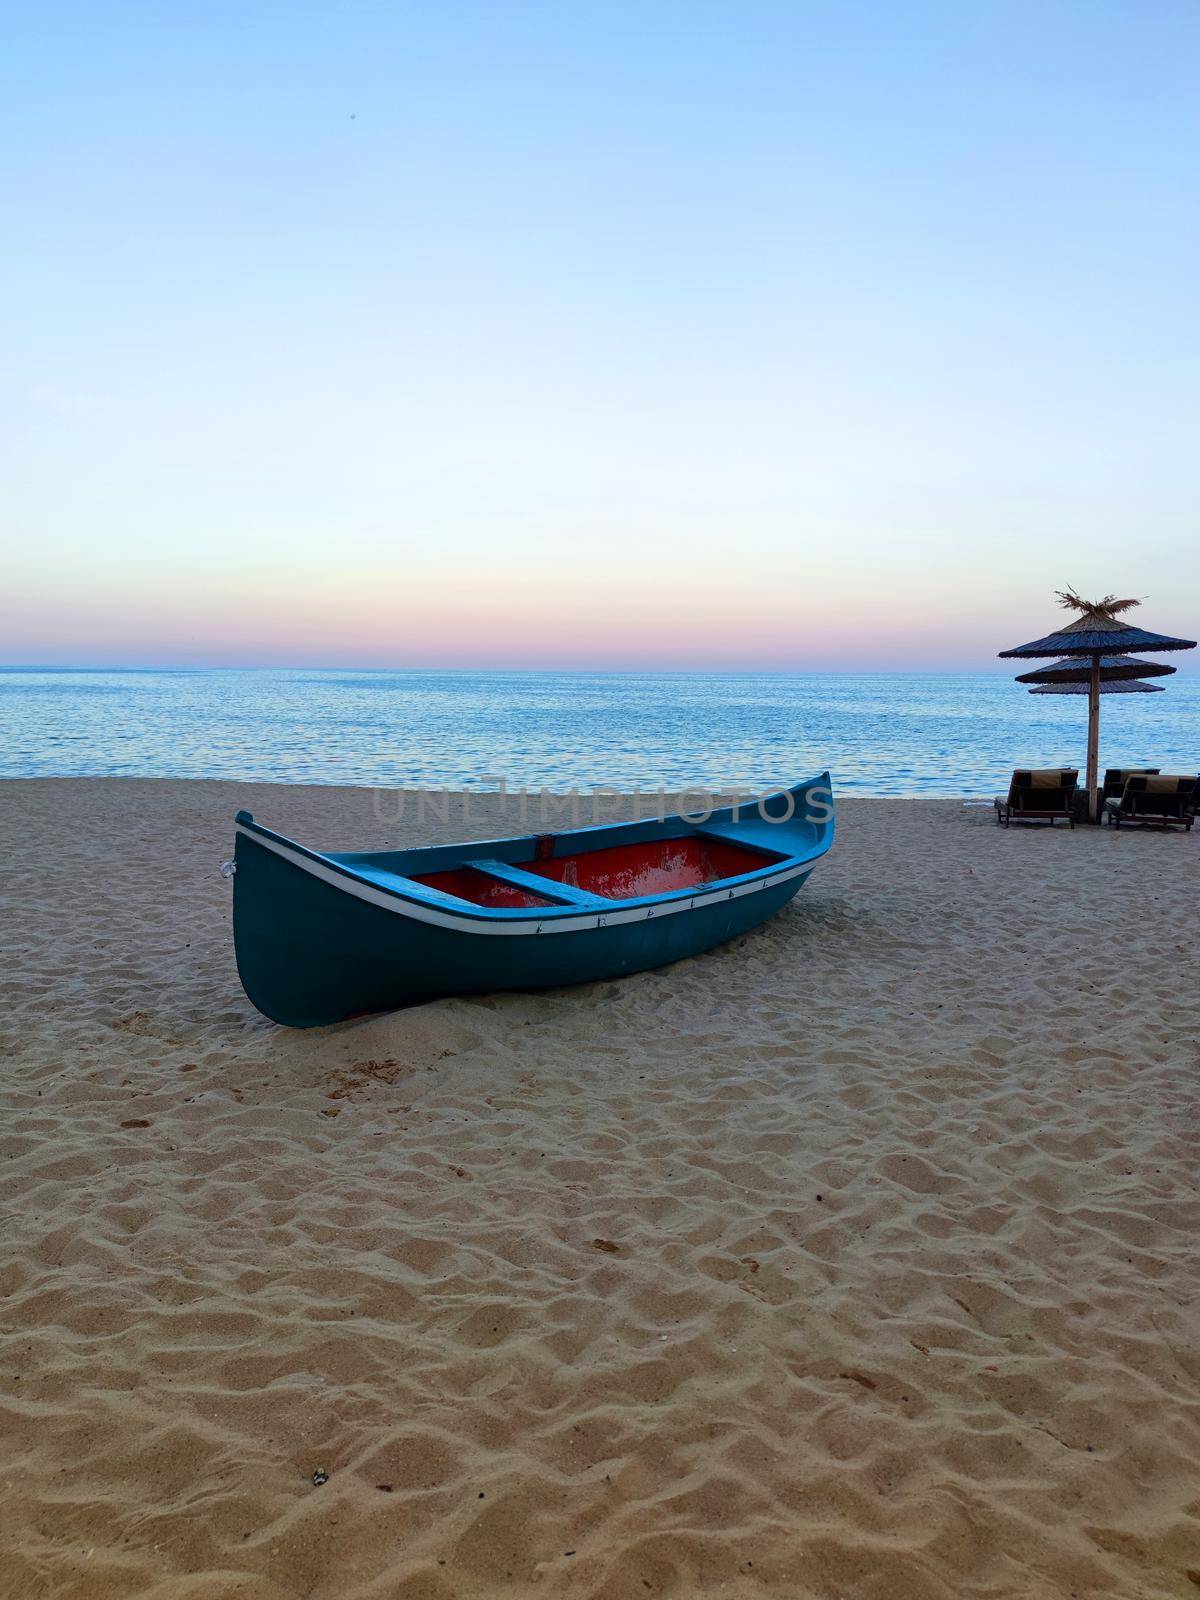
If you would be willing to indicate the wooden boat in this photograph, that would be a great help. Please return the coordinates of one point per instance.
(324, 937)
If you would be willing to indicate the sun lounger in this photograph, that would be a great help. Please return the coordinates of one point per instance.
(1047, 795)
(1162, 800)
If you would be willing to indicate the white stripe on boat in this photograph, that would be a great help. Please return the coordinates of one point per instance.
(422, 912)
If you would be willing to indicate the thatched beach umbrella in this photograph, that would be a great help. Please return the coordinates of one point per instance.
(1094, 633)
(1127, 687)
(1113, 669)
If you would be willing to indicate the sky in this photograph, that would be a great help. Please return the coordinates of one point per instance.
(601, 335)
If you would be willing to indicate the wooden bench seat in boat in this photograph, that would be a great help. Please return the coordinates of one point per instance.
(403, 885)
(753, 832)
(547, 888)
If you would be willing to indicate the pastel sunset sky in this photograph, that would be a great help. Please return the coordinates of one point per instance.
(610, 335)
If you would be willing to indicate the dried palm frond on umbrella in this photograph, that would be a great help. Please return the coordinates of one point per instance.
(1097, 629)
(1095, 632)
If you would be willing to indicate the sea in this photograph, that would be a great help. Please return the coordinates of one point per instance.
(878, 733)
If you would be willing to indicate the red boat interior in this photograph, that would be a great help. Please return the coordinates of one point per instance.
(620, 872)
(626, 871)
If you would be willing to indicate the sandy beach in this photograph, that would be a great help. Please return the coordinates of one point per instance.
(857, 1258)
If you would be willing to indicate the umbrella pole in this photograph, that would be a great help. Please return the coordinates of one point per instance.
(1093, 752)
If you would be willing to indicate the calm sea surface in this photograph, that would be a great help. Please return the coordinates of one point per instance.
(881, 734)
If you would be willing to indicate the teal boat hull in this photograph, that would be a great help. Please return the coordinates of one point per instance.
(322, 937)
